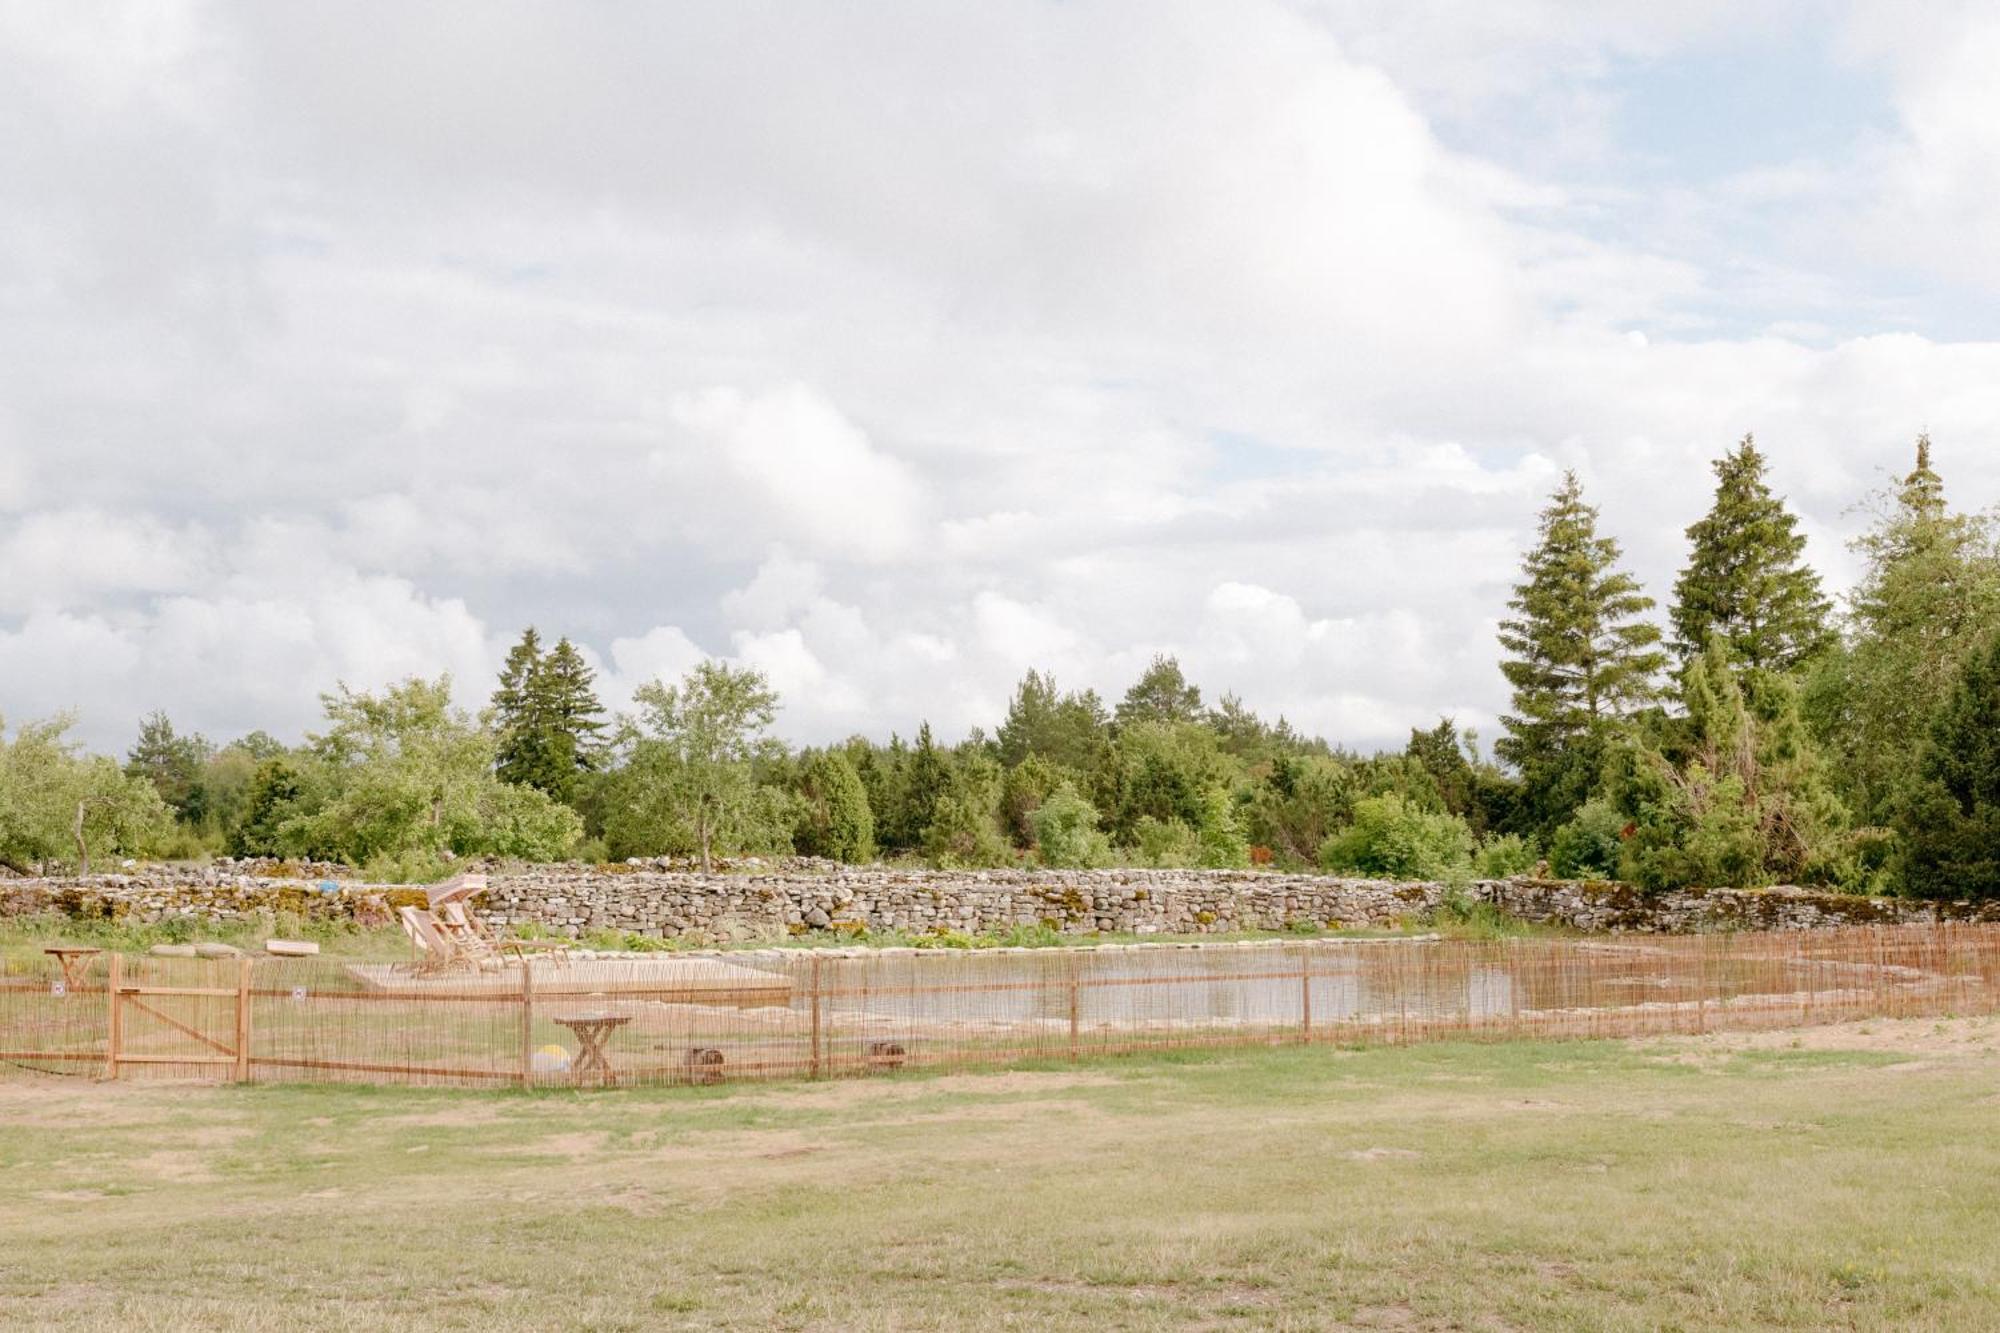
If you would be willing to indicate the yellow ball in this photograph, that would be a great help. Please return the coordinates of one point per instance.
(549, 1059)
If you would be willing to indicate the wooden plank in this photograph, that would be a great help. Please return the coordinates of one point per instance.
(243, 1021)
(130, 1059)
(114, 1026)
(177, 1025)
(221, 991)
(364, 1067)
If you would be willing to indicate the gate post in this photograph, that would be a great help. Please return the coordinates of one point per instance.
(243, 1020)
(115, 1018)
(1305, 994)
(527, 1023)
(815, 1069)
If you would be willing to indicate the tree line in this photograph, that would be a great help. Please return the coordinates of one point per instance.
(1759, 734)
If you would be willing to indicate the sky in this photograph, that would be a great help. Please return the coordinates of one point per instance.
(896, 349)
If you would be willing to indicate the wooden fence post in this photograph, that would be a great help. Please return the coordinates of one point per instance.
(114, 1019)
(527, 1024)
(243, 1020)
(1305, 994)
(814, 1070)
(1075, 1006)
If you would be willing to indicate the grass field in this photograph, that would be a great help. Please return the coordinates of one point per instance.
(1842, 1177)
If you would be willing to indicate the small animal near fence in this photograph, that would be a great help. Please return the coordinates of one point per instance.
(704, 1019)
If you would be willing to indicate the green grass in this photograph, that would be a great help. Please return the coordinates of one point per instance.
(1688, 1185)
(22, 939)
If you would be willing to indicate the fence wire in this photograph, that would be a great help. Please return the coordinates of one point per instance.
(782, 1014)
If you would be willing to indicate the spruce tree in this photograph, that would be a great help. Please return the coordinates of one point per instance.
(1950, 819)
(1930, 593)
(1746, 579)
(1579, 654)
(549, 723)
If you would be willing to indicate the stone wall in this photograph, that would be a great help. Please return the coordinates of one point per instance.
(762, 901)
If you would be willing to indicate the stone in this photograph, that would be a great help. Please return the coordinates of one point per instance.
(217, 950)
(172, 951)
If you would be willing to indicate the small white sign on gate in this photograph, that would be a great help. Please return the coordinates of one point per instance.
(298, 995)
(58, 988)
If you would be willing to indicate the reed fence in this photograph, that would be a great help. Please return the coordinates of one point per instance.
(679, 1018)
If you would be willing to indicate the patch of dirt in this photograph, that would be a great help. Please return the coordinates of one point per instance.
(1382, 1155)
(1901, 1036)
(71, 1196)
(859, 1091)
(578, 1147)
(457, 1117)
(168, 1164)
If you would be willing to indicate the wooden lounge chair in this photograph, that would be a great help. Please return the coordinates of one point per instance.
(437, 949)
(451, 904)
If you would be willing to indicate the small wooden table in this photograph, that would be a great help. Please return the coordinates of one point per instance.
(592, 1031)
(75, 962)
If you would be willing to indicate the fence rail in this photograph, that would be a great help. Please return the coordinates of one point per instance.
(687, 1019)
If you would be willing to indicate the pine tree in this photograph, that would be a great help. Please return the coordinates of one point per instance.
(1580, 654)
(1746, 578)
(1950, 821)
(1162, 694)
(1930, 593)
(550, 725)
(173, 764)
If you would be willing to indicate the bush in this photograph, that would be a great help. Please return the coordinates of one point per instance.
(1166, 844)
(1066, 832)
(1589, 845)
(1393, 839)
(1506, 857)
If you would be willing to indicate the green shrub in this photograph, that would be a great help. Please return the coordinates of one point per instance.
(1393, 839)
(1588, 847)
(1066, 832)
(1505, 857)
(1164, 843)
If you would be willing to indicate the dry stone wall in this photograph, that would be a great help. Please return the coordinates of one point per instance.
(765, 901)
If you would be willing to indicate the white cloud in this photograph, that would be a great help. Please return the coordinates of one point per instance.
(896, 350)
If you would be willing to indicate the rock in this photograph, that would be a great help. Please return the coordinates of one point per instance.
(172, 951)
(214, 949)
(818, 919)
(290, 948)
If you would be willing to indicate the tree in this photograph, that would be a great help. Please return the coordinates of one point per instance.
(1738, 798)
(1579, 653)
(549, 721)
(1949, 821)
(1067, 729)
(1395, 840)
(1162, 694)
(927, 778)
(691, 762)
(414, 777)
(836, 821)
(56, 801)
(964, 827)
(1929, 594)
(173, 764)
(1746, 578)
(1066, 832)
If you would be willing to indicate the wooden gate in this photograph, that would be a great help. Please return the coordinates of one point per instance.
(150, 1025)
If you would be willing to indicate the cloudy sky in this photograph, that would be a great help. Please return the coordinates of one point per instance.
(897, 348)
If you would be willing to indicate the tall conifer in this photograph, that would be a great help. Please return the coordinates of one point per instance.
(1746, 579)
(1579, 653)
